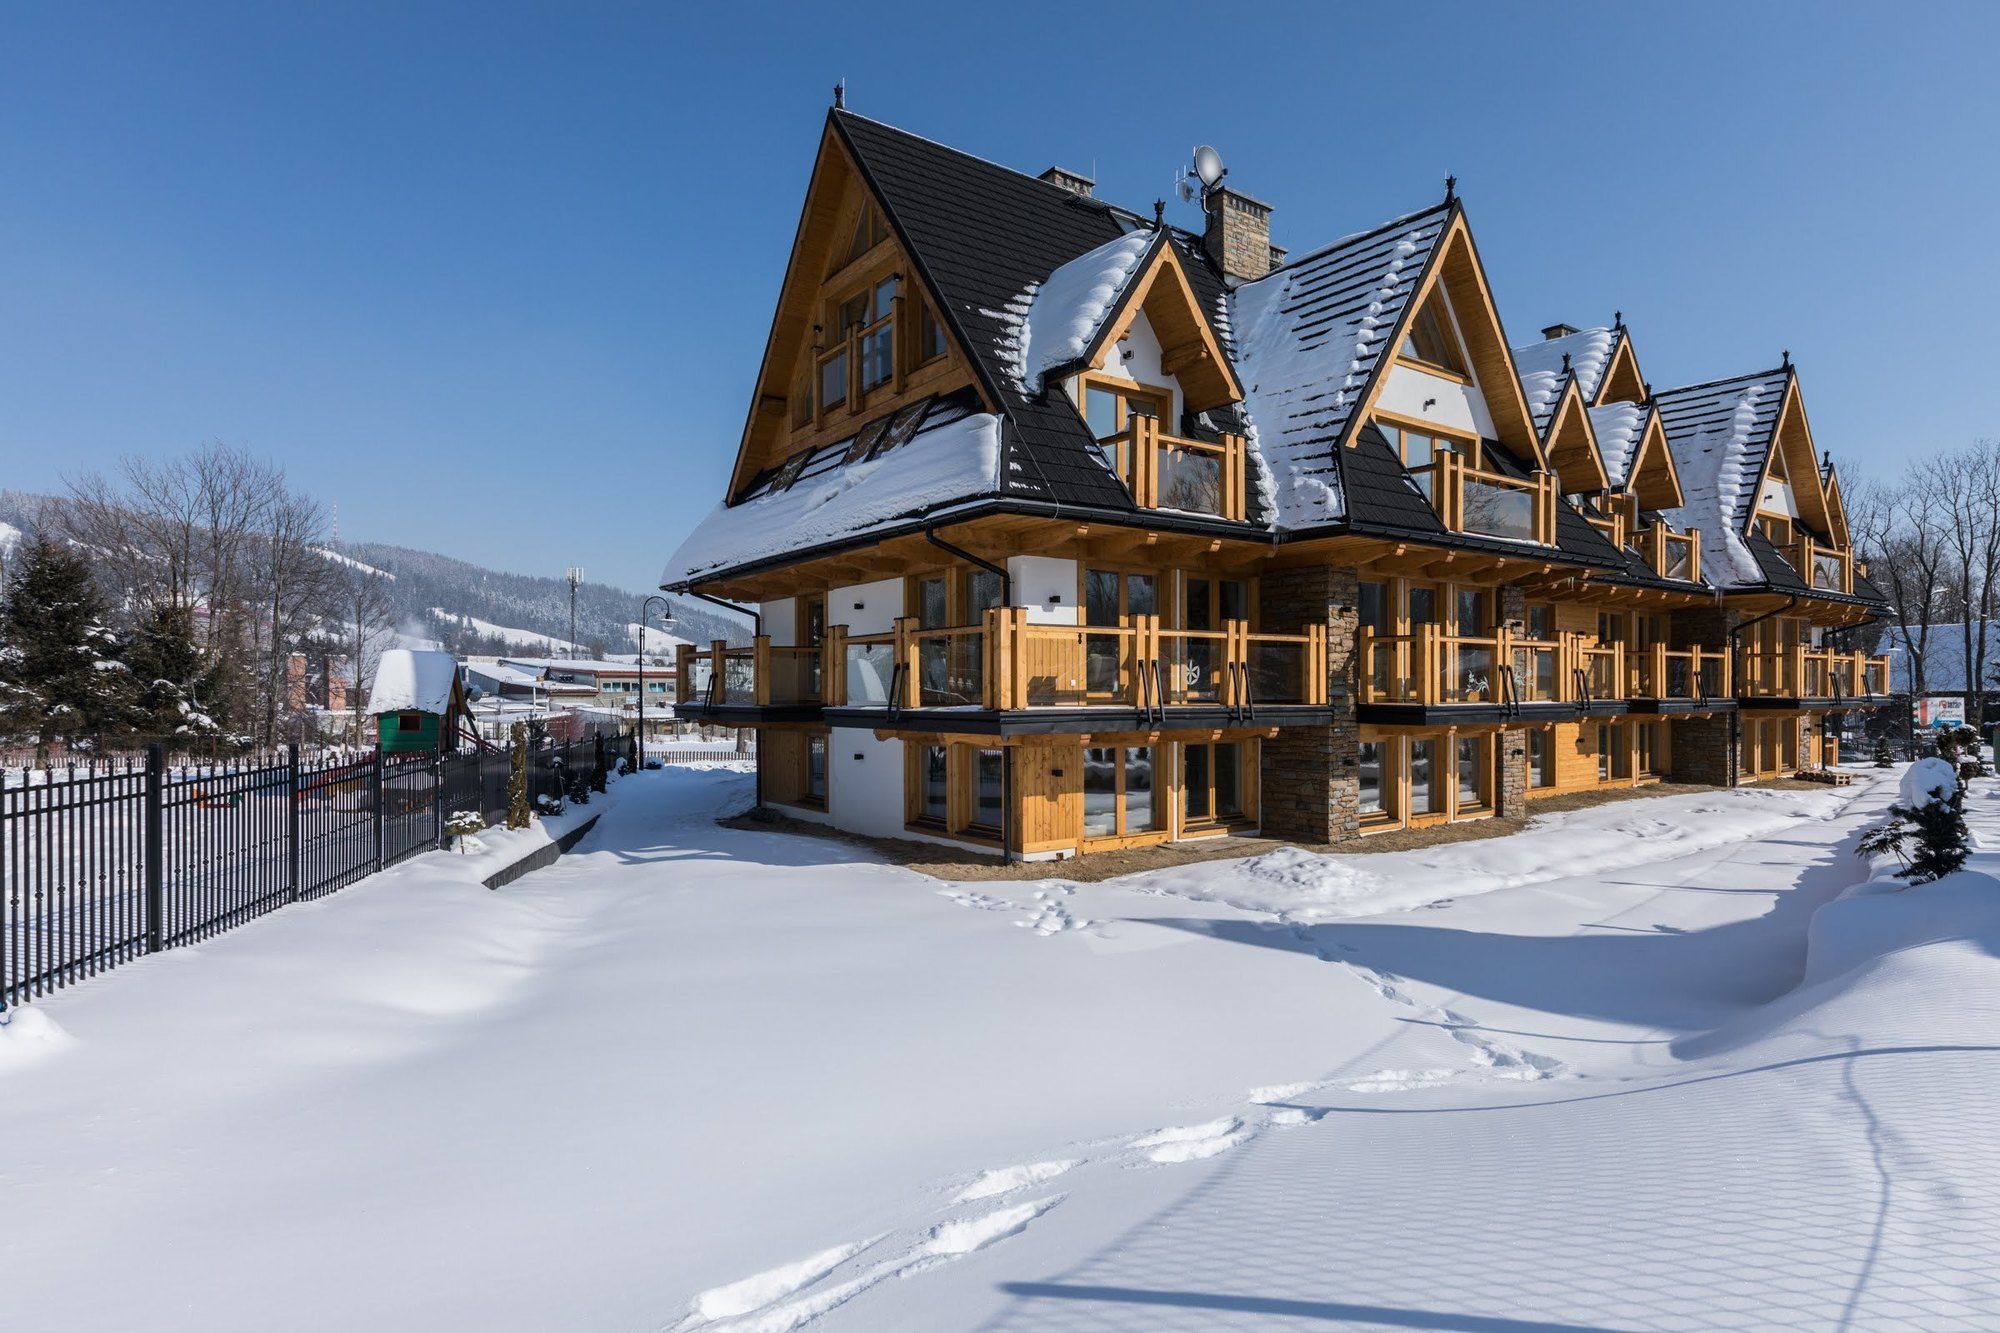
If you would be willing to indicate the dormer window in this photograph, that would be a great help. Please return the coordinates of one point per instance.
(1108, 409)
(1432, 342)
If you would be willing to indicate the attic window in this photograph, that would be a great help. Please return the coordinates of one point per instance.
(868, 443)
(789, 473)
(1431, 341)
(868, 233)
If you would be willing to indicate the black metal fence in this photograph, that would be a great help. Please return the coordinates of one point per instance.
(98, 868)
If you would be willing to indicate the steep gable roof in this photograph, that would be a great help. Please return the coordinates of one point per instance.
(1570, 441)
(1720, 435)
(1310, 339)
(1584, 354)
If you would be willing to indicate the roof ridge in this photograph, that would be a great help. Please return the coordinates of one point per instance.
(1088, 200)
(1727, 379)
(1355, 237)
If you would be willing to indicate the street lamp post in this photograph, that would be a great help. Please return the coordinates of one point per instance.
(656, 597)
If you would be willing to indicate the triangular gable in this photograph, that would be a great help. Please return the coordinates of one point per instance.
(1454, 264)
(836, 195)
(1621, 381)
(1791, 440)
(1836, 510)
(1192, 353)
(1655, 481)
(1571, 445)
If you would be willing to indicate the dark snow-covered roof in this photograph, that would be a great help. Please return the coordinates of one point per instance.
(1720, 433)
(1541, 368)
(1308, 340)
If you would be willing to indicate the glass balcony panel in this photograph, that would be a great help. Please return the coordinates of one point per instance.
(1827, 570)
(739, 677)
(1468, 673)
(870, 668)
(1191, 480)
(1679, 559)
(1278, 672)
(694, 685)
(951, 670)
(1194, 669)
(1499, 511)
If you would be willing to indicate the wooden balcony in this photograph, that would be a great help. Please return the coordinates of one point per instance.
(1489, 504)
(1671, 555)
(1811, 673)
(1192, 476)
(1005, 663)
(762, 675)
(1433, 668)
(1825, 568)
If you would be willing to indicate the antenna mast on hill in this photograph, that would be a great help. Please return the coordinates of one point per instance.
(574, 576)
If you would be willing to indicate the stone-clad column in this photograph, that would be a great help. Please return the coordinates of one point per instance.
(1703, 749)
(1310, 787)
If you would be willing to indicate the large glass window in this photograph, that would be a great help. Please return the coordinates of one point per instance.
(982, 593)
(989, 770)
(1371, 774)
(930, 334)
(1142, 813)
(1373, 607)
(1471, 609)
(1424, 798)
(1541, 757)
(1108, 410)
(1472, 772)
(816, 769)
(1423, 604)
(1100, 792)
(933, 610)
(934, 784)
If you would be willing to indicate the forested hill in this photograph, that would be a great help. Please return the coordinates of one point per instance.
(426, 582)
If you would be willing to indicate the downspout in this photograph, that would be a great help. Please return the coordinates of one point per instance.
(756, 630)
(1006, 751)
(1735, 652)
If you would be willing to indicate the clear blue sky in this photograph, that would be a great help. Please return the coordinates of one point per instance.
(496, 277)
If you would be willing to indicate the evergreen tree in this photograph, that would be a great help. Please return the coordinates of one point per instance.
(174, 685)
(1932, 815)
(1883, 757)
(59, 679)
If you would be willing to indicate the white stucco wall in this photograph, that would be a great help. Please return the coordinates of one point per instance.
(1452, 406)
(781, 621)
(866, 608)
(1777, 498)
(865, 787)
(1037, 579)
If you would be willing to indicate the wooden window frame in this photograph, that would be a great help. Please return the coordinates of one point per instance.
(1126, 391)
(1470, 447)
(1447, 328)
(1248, 756)
(1167, 793)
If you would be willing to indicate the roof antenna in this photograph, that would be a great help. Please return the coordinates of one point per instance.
(1159, 213)
(840, 95)
(1618, 319)
(1450, 188)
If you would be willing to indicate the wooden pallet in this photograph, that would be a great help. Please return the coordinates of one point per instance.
(1826, 775)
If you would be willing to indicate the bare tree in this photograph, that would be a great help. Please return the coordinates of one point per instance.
(1959, 493)
(1905, 551)
(366, 631)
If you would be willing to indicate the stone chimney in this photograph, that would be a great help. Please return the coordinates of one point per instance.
(1555, 331)
(1238, 237)
(1073, 181)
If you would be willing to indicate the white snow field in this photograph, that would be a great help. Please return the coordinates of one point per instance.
(704, 1078)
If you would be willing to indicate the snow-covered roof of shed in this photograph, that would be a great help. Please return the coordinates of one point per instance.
(1619, 428)
(1719, 434)
(1308, 339)
(413, 680)
(1067, 308)
(1541, 367)
(955, 461)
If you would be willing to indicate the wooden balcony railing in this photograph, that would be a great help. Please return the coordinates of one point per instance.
(1660, 672)
(1825, 568)
(1489, 504)
(1672, 555)
(1007, 663)
(762, 674)
(1810, 673)
(1431, 666)
(1168, 472)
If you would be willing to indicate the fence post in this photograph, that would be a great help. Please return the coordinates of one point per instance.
(375, 787)
(155, 835)
(437, 797)
(295, 847)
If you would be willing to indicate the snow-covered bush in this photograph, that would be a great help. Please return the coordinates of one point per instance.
(548, 804)
(1930, 813)
(1884, 757)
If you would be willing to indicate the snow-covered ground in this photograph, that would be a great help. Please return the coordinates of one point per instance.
(696, 1077)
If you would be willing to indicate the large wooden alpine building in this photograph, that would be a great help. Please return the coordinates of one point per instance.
(1070, 529)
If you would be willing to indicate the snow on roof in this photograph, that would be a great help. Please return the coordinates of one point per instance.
(1541, 368)
(1066, 310)
(1308, 339)
(413, 680)
(587, 665)
(1619, 428)
(501, 674)
(959, 460)
(1719, 433)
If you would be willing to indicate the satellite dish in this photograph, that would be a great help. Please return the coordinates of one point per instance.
(1186, 190)
(1208, 166)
